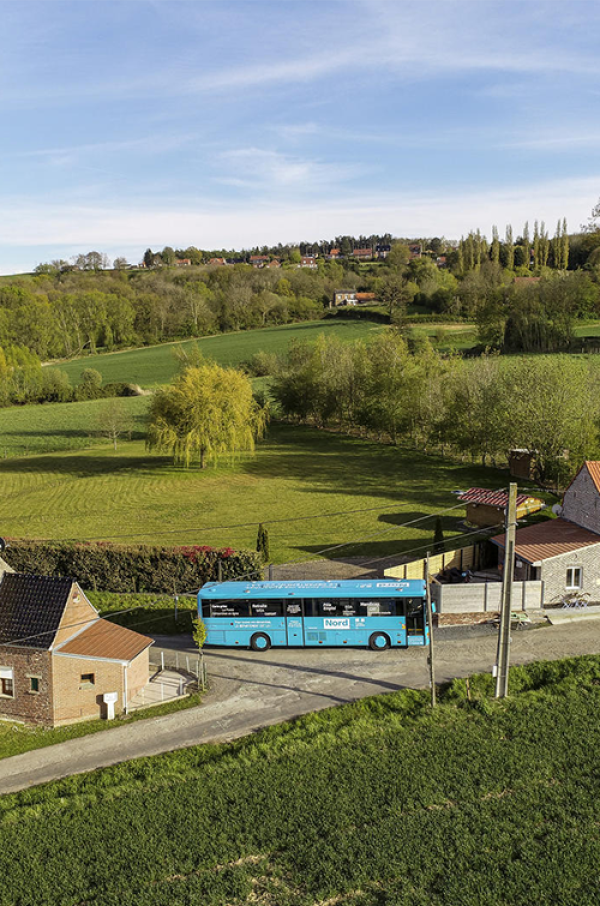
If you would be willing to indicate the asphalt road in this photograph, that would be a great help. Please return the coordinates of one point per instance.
(250, 690)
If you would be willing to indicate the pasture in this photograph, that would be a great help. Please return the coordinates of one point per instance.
(156, 365)
(376, 803)
(316, 491)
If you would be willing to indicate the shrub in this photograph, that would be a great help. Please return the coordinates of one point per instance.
(139, 568)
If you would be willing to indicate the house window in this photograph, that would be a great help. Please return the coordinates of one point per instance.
(7, 688)
(88, 679)
(574, 578)
(34, 684)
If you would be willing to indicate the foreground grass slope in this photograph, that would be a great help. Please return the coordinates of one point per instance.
(156, 365)
(340, 488)
(380, 802)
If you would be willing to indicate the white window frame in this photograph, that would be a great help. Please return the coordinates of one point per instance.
(7, 673)
(571, 571)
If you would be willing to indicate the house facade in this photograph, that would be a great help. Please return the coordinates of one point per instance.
(564, 553)
(58, 658)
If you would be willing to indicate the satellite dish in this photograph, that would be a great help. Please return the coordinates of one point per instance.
(557, 509)
(2, 545)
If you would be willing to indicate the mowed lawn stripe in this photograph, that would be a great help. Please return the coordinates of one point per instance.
(133, 496)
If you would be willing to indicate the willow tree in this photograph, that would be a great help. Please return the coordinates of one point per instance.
(206, 412)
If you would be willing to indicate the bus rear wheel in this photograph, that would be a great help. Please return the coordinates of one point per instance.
(379, 641)
(260, 642)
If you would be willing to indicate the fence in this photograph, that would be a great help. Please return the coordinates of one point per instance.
(463, 558)
(482, 597)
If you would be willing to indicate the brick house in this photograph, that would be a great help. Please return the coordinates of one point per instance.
(363, 254)
(564, 553)
(58, 657)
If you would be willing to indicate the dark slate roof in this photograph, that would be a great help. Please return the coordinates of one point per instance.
(31, 608)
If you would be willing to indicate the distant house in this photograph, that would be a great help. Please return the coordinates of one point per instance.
(334, 253)
(488, 508)
(363, 254)
(308, 261)
(382, 251)
(183, 262)
(58, 658)
(274, 263)
(217, 262)
(344, 297)
(366, 298)
(259, 260)
(441, 261)
(415, 250)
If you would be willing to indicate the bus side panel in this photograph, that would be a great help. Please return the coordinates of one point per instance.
(238, 633)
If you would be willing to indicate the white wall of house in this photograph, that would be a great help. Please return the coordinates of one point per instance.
(555, 576)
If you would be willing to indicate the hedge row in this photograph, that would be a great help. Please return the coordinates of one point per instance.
(140, 568)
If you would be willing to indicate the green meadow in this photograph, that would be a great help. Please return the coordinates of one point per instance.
(317, 491)
(156, 365)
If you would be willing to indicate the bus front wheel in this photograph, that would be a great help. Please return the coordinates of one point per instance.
(379, 641)
(260, 642)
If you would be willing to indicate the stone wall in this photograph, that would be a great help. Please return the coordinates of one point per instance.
(28, 705)
(554, 574)
(485, 597)
(581, 503)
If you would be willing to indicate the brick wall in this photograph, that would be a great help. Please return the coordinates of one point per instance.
(138, 673)
(27, 705)
(77, 613)
(554, 573)
(74, 701)
(581, 503)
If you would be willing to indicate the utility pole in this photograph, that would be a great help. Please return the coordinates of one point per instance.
(502, 659)
(430, 628)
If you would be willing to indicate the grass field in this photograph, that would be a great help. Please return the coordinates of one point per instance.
(157, 365)
(56, 427)
(339, 488)
(378, 803)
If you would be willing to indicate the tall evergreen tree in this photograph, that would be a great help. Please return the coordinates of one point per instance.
(565, 245)
(495, 254)
(526, 245)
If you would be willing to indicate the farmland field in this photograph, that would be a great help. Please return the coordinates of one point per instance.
(378, 803)
(157, 365)
(340, 488)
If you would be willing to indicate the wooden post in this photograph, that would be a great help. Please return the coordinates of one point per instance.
(430, 628)
(503, 657)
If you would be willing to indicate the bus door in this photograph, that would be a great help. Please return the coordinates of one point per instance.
(294, 622)
(415, 621)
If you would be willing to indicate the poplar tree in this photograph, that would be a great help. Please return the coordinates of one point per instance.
(510, 248)
(495, 245)
(526, 245)
(536, 246)
(565, 245)
(544, 245)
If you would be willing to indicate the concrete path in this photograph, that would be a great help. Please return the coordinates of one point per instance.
(252, 690)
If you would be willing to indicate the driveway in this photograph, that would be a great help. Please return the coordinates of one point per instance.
(250, 690)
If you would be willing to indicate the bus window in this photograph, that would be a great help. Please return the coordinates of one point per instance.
(229, 608)
(339, 607)
(311, 607)
(293, 608)
(382, 607)
(415, 616)
(267, 608)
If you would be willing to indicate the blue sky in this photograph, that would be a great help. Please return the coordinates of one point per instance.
(151, 123)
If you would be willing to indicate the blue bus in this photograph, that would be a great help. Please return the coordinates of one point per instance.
(380, 614)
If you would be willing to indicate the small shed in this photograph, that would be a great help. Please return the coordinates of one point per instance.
(521, 463)
(487, 508)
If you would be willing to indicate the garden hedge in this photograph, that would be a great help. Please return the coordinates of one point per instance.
(139, 568)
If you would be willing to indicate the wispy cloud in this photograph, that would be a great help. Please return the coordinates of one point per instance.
(255, 167)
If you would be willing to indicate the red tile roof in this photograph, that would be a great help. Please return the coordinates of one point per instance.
(594, 470)
(493, 498)
(106, 640)
(535, 543)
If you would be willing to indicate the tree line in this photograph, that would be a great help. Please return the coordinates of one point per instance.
(479, 407)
